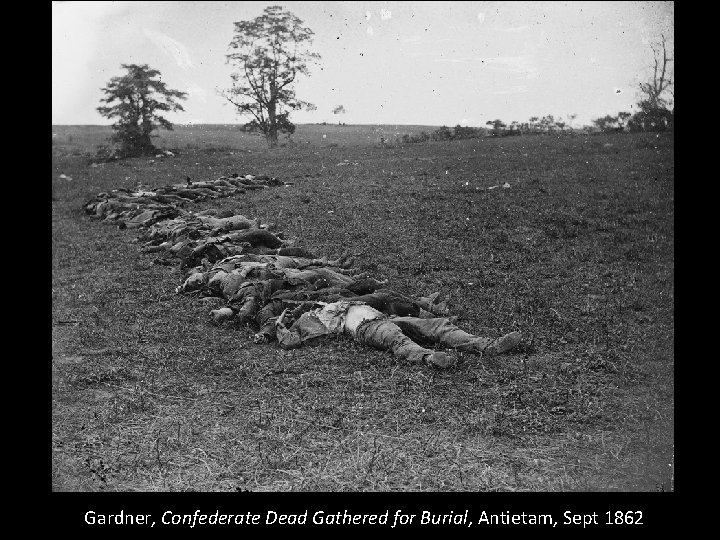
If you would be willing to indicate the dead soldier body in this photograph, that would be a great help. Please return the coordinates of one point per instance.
(323, 301)
(294, 303)
(260, 287)
(247, 282)
(262, 299)
(400, 335)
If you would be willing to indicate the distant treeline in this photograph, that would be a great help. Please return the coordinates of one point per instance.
(496, 128)
(646, 119)
(443, 133)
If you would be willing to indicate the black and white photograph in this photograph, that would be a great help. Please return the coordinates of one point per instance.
(346, 247)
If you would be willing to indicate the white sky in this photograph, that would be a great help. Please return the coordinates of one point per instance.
(428, 63)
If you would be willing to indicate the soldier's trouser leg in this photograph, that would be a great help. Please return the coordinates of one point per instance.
(248, 310)
(441, 331)
(387, 336)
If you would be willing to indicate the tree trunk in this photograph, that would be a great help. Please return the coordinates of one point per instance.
(146, 145)
(146, 128)
(272, 134)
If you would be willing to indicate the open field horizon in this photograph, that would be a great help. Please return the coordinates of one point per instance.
(577, 254)
(230, 136)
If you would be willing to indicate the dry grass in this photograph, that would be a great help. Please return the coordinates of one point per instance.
(577, 254)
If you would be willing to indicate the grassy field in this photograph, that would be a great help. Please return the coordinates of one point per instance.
(577, 254)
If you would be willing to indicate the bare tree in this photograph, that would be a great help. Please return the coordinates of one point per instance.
(656, 95)
(662, 80)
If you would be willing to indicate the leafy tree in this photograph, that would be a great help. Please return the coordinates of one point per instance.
(269, 52)
(463, 132)
(443, 133)
(650, 118)
(136, 99)
(497, 126)
(607, 123)
(548, 122)
(622, 119)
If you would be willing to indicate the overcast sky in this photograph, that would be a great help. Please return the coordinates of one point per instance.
(428, 63)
